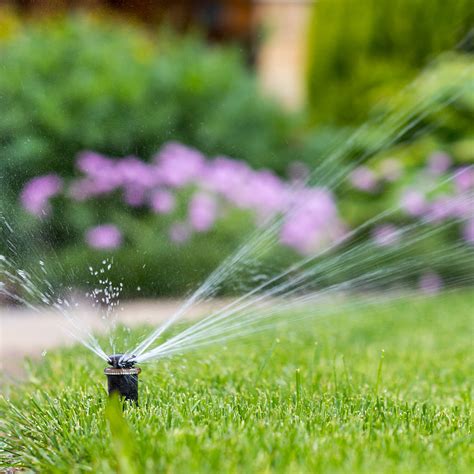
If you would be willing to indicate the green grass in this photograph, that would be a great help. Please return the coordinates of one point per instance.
(378, 390)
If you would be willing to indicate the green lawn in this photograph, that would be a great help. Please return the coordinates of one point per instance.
(378, 390)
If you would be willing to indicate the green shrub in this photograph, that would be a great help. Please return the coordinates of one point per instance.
(72, 85)
(75, 83)
(362, 51)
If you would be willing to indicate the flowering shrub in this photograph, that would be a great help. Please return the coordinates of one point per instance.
(37, 193)
(425, 198)
(125, 92)
(437, 193)
(187, 195)
(106, 236)
(215, 186)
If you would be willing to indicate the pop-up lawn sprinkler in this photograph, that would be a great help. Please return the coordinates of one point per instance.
(122, 377)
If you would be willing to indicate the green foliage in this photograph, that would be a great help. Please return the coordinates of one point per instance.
(312, 398)
(431, 113)
(362, 51)
(121, 437)
(434, 113)
(73, 84)
(148, 260)
(78, 83)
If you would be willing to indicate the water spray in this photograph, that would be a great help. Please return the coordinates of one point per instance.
(122, 377)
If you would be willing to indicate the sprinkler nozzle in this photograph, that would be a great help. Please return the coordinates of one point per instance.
(122, 377)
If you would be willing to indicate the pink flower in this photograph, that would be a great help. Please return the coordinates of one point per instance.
(104, 237)
(385, 235)
(447, 207)
(202, 212)
(136, 173)
(439, 163)
(231, 179)
(317, 202)
(266, 192)
(414, 203)
(134, 195)
(311, 222)
(300, 232)
(179, 232)
(101, 176)
(93, 164)
(178, 165)
(38, 191)
(162, 202)
(430, 283)
(464, 179)
(462, 206)
(364, 179)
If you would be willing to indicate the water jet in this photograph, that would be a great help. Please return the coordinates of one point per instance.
(122, 377)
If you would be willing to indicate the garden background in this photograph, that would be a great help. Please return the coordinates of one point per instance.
(160, 140)
(142, 142)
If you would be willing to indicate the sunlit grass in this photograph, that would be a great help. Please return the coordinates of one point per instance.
(380, 390)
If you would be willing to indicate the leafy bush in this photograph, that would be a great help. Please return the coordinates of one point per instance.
(120, 92)
(179, 208)
(78, 83)
(433, 112)
(172, 221)
(362, 51)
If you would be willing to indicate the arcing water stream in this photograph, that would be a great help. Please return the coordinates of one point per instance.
(303, 283)
(348, 263)
(246, 312)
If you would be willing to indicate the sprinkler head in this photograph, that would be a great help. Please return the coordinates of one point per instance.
(122, 377)
(118, 361)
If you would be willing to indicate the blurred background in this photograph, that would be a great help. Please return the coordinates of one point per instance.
(158, 135)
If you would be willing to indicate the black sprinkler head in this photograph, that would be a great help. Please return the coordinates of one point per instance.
(122, 377)
(118, 361)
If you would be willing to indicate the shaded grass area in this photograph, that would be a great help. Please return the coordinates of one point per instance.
(380, 389)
